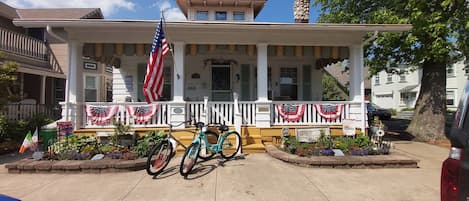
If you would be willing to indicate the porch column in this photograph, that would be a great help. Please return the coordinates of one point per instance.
(71, 96)
(262, 103)
(357, 86)
(178, 106)
(262, 71)
(43, 90)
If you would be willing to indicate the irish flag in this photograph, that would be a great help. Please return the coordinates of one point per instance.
(29, 142)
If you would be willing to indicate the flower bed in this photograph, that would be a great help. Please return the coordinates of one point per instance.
(327, 145)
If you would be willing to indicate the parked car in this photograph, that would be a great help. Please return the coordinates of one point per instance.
(376, 111)
(455, 169)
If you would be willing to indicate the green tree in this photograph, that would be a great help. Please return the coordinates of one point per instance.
(331, 89)
(8, 86)
(439, 37)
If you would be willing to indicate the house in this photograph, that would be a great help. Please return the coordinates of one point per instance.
(42, 58)
(400, 91)
(224, 68)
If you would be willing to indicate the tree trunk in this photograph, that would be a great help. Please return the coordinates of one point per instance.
(428, 122)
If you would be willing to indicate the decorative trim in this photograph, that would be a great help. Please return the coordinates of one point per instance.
(101, 115)
(291, 113)
(142, 113)
(329, 112)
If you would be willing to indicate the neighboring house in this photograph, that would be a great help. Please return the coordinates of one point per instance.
(42, 58)
(257, 76)
(342, 76)
(399, 91)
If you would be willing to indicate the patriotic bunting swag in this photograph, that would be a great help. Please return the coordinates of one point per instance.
(328, 111)
(142, 113)
(291, 113)
(101, 115)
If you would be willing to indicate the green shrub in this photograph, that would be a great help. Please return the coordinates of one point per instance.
(145, 143)
(393, 111)
(408, 109)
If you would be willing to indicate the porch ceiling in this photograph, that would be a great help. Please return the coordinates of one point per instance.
(118, 31)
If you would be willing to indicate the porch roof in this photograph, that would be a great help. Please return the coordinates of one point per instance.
(214, 32)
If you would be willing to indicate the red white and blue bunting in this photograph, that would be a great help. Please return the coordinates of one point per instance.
(329, 112)
(291, 113)
(101, 115)
(142, 113)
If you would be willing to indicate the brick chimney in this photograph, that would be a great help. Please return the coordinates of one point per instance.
(301, 11)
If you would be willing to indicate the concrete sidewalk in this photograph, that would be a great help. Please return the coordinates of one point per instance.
(257, 177)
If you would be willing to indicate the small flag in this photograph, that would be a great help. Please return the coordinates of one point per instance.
(29, 142)
(153, 84)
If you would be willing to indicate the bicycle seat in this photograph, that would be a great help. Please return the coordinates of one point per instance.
(199, 124)
(223, 128)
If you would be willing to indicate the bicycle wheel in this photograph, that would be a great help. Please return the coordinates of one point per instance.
(189, 159)
(159, 157)
(212, 138)
(231, 144)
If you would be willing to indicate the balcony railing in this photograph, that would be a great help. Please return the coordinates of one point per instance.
(26, 46)
(23, 45)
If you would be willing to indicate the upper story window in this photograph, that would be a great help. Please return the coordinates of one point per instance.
(402, 77)
(450, 70)
(450, 97)
(202, 15)
(220, 15)
(389, 78)
(466, 71)
(239, 16)
(377, 79)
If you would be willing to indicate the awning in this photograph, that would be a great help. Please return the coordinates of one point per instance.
(409, 88)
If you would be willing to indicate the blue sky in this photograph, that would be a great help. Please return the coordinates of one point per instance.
(274, 10)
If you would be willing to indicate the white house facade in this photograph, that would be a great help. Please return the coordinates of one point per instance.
(399, 91)
(224, 68)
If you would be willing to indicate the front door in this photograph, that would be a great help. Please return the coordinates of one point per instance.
(221, 82)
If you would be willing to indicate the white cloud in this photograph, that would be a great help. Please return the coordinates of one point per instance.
(107, 6)
(170, 12)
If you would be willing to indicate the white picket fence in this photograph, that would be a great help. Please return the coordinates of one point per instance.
(18, 111)
(311, 115)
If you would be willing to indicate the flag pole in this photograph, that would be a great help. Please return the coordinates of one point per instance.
(165, 31)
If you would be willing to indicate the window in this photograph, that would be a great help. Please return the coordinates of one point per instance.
(167, 84)
(377, 79)
(466, 71)
(59, 89)
(449, 97)
(202, 15)
(402, 78)
(91, 88)
(239, 16)
(450, 70)
(108, 90)
(288, 84)
(389, 78)
(220, 15)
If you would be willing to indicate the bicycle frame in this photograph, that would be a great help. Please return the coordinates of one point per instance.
(216, 148)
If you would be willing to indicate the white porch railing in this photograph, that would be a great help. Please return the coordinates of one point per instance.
(222, 112)
(311, 116)
(161, 117)
(16, 111)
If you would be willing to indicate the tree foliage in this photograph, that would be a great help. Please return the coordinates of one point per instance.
(332, 89)
(8, 86)
(439, 37)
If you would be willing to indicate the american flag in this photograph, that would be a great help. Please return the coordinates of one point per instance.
(153, 85)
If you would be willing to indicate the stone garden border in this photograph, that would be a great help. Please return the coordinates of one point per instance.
(76, 166)
(395, 160)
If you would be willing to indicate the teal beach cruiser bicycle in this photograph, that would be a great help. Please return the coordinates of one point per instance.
(161, 153)
(228, 145)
